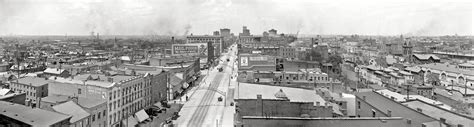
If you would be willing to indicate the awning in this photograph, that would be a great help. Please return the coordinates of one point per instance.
(185, 85)
(158, 105)
(141, 115)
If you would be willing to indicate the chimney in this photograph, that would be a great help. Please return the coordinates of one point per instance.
(389, 113)
(172, 40)
(75, 99)
(110, 79)
(318, 103)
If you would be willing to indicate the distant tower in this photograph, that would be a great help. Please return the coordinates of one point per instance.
(407, 49)
(216, 33)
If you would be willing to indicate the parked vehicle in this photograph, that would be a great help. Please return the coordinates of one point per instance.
(219, 99)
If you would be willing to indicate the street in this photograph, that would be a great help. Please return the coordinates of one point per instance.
(203, 107)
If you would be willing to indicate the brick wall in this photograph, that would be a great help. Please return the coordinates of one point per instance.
(251, 107)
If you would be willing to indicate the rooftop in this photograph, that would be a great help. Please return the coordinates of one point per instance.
(384, 104)
(34, 81)
(53, 70)
(90, 102)
(250, 91)
(426, 56)
(437, 112)
(31, 116)
(448, 68)
(72, 109)
(55, 98)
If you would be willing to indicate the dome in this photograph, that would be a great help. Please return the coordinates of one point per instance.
(281, 94)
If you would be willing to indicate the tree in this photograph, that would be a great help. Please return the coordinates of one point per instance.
(433, 79)
(335, 59)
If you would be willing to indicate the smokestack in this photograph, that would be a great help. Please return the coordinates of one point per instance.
(172, 40)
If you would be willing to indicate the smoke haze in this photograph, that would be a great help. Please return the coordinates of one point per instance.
(183, 17)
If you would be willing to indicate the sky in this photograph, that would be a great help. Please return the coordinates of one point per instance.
(183, 17)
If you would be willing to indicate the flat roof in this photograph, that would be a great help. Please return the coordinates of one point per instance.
(55, 98)
(31, 116)
(437, 112)
(34, 81)
(250, 91)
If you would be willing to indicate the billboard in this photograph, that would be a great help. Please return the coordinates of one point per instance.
(244, 61)
(258, 58)
(189, 49)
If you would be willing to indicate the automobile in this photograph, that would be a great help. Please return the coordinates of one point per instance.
(219, 99)
(228, 60)
(231, 103)
(220, 69)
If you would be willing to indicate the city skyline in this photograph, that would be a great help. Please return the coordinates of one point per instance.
(183, 17)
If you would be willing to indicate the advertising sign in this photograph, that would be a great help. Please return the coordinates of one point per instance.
(258, 58)
(189, 49)
(244, 61)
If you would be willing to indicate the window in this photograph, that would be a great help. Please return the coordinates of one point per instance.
(373, 113)
(79, 91)
(103, 113)
(93, 118)
(358, 104)
(98, 115)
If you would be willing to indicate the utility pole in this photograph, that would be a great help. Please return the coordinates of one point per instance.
(358, 79)
(408, 92)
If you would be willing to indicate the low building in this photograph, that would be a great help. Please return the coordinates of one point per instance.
(450, 75)
(444, 115)
(80, 117)
(95, 106)
(274, 101)
(262, 121)
(15, 115)
(34, 87)
(8, 95)
(425, 58)
(4, 67)
(56, 72)
(373, 104)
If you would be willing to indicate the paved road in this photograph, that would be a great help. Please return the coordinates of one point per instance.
(201, 112)
(203, 109)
